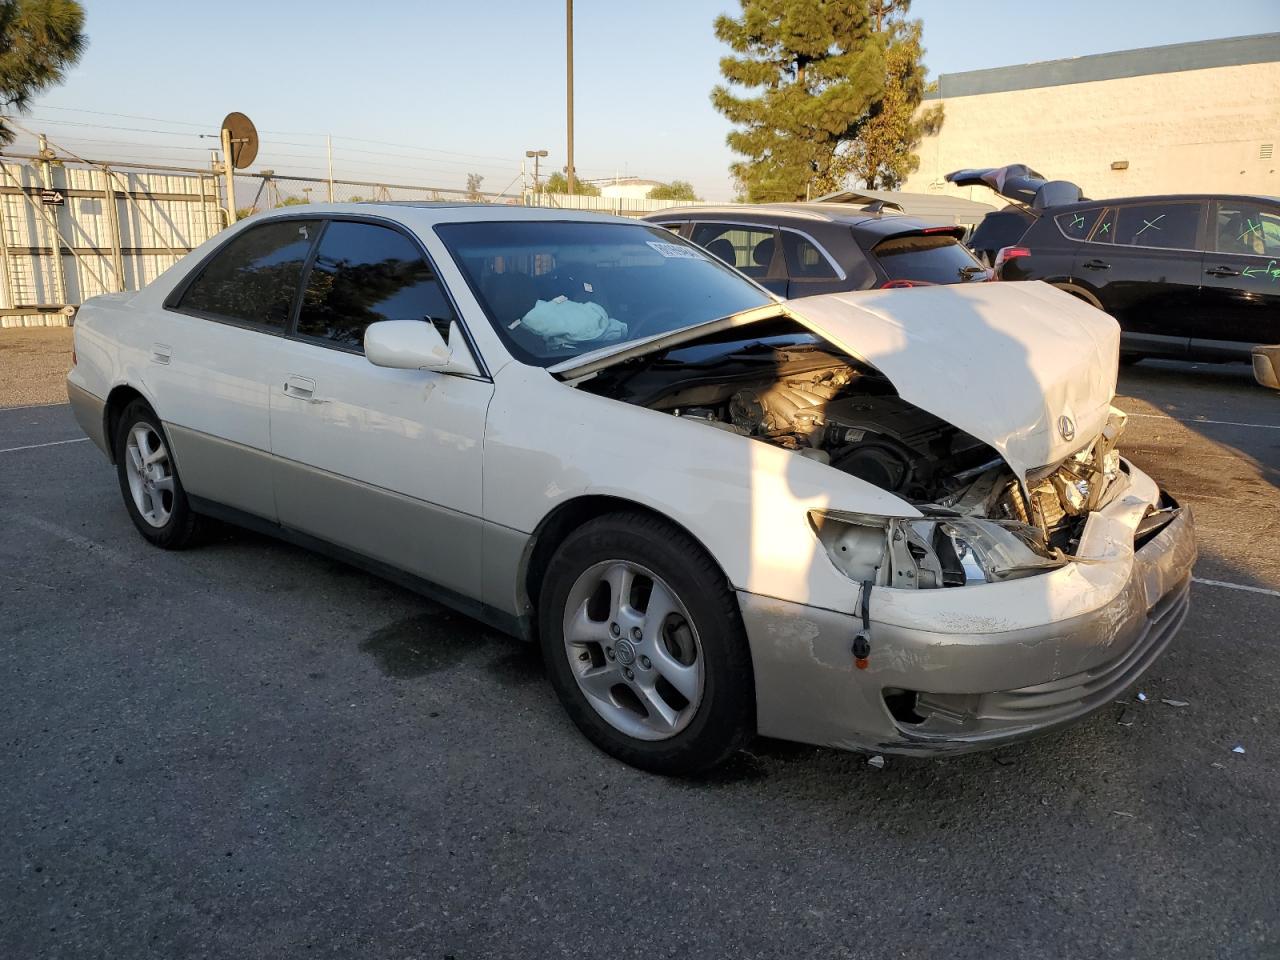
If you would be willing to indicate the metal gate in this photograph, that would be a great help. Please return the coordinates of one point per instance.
(71, 231)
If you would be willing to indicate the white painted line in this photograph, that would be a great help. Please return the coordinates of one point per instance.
(1224, 423)
(37, 446)
(36, 406)
(1236, 586)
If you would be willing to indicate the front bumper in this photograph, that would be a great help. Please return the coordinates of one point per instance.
(966, 684)
(1266, 365)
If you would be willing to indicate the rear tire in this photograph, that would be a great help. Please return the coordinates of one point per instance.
(660, 677)
(149, 482)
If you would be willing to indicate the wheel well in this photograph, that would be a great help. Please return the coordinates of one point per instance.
(566, 518)
(119, 398)
(1079, 292)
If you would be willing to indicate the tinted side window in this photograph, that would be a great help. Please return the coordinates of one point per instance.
(254, 278)
(363, 273)
(1167, 225)
(750, 249)
(1077, 224)
(932, 259)
(804, 260)
(1105, 229)
(1243, 227)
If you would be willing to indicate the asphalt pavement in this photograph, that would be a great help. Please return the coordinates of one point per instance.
(246, 750)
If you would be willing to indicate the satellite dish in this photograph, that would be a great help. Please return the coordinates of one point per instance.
(244, 139)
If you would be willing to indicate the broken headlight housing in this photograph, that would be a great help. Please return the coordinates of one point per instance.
(932, 551)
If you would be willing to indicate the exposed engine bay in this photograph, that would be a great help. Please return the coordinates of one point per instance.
(809, 398)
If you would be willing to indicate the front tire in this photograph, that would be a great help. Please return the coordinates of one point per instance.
(149, 482)
(644, 645)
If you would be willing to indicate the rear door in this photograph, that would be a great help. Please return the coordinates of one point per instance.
(1240, 286)
(1141, 261)
(212, 367)
(752, 249)
(813, 269)
(382, 462)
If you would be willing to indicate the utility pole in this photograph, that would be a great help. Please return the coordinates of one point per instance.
(230, 173)
(568, 32)
(328, 145)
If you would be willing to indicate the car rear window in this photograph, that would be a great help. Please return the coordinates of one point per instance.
(928, 258)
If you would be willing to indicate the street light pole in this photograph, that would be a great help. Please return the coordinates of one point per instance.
(568, 27)
(536, 155)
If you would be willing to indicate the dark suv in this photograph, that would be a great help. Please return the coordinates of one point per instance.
(803, 249)
(1190, 276)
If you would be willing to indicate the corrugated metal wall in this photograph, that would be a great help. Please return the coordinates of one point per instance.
(116, 230)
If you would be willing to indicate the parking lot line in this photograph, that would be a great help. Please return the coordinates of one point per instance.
(1224, 423)
(1236, 586)
(37, 446)
(35, 406)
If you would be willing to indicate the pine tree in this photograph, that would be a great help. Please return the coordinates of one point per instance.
(834, 86)
(39, 39)
(883, 156)
(819, 68)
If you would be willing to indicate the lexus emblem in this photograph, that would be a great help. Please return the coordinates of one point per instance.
(1067, 428)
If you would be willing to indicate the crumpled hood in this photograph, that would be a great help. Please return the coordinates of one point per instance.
(1005, 362)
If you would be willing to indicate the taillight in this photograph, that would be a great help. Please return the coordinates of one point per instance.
(1006, 254)
(893, 284)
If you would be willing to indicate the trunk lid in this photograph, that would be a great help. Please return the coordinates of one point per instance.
(1019, 183)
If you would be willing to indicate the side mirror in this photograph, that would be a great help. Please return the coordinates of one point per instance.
(415, 345)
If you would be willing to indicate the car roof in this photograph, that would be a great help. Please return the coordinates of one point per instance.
(798, 215)
(1163, 198)
(429, 213)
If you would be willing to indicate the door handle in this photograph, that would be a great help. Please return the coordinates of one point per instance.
(1222, 272)
(1096, 265)
(300, 388)
(161, 353)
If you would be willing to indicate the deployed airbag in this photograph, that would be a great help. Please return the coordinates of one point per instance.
(569, 321)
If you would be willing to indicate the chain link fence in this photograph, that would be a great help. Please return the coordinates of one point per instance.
(72, 228)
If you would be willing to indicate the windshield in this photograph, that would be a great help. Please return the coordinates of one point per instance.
(554, 289)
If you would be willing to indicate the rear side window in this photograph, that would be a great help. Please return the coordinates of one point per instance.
(1167, 225)
(805, 261)
(1244, 227)
(749, 249)
(363, 273)
(931, 259)
(254, 278)
(1077, 224)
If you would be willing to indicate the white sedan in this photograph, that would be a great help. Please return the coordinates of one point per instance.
(890, 521)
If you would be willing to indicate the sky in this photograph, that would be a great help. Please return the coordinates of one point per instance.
(426, 92)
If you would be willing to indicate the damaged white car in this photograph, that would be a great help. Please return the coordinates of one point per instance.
(891, 521)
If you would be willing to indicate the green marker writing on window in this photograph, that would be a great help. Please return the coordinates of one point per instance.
(1251, 227)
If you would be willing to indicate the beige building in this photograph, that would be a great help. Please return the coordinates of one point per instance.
(1186, 118)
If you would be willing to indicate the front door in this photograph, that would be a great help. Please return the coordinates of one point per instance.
(383, 462)
(1240, 289)
(1143, 263)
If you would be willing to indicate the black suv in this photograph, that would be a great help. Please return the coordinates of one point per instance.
(1190, 276)
(803, 249)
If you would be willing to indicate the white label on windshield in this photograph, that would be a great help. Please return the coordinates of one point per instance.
(675, 251)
